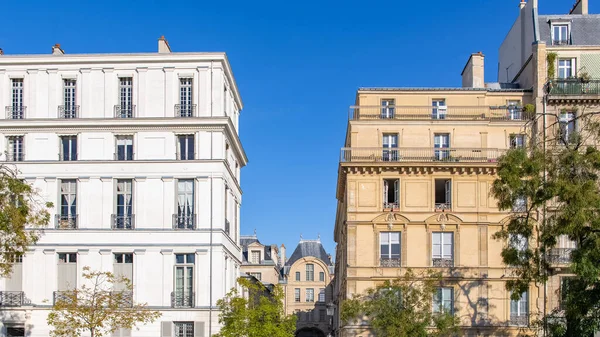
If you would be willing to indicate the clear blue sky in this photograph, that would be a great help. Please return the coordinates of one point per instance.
(297, 64)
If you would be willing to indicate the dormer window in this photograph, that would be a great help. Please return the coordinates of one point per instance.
(560, 34)
(255, 257)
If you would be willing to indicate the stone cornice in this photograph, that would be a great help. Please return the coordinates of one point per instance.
(418, 168)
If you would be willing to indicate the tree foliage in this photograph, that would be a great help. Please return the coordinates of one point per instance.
(97, 307)
(22, 214)
(402, 307)
(259, 314)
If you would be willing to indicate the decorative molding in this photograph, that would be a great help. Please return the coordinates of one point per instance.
(106, 179)
(32, 71)
(168, 69)
(166, 251)
(104, 251)
(49, 251)
(51, 71)
(139, 251)
(49, 179)
(85, 70)
(83, 179)
(108, 70)
(201, 251)
(141, 69)
(140, 179)
(167, 179)
(83, 251)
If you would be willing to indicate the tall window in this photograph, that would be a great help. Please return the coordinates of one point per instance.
(185, 147)
(298, 276)
(124, 149)
(67, 219)
(297, 295)
(388, 108)
(67, 271)
(16, 110)
(439, 109)
(310, 272)
(322, 295)
(15, 150)
(185, 218)
(258, 276)
(310, 295)
(125, 107)
(390, 146)
(517, 141)
(389, 249)
(255, 257)
(184, 329)
(185, 97)
(514, 109)
(69, 109)
(519, 310)
(441, 141)
(560, 34)
(391, 193)
(321, 276)
(124, 216)
(443, 194)
(184, 280)
(123, 267)
(565, 68)
(443, 301)
(567, 126)
(442, 249)
(68, 148)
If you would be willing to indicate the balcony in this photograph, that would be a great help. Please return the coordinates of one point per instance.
(390, 262)
(122, 221)
(519, 320)
(185, 110)
(12, 298)
(420, 154)
(124, 298)
(16, 155)
(558, 256)
(391, 205)
(187, 221)
(574, 87)
(68, 111)
(64, 296)
(182, 299)
(442, 262)
(66, 221)
(466, 113)
(15, 112)
(561, 42)
(442, 206)
(124, 111)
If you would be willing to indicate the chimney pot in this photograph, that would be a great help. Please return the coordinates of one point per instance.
(522, 4)
(56, 50)
(473, 74)
(163, 45)
(1, 51)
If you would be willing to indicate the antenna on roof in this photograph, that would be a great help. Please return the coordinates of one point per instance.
(254, 231)
(300, 236)
(319, 237)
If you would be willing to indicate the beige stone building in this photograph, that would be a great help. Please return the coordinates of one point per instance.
(261, 261)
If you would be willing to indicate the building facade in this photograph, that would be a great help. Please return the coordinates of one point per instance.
(140, 155)
(307, 277)
(260, 261)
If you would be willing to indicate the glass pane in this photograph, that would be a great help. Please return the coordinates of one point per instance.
(384, 238)
(179, 258)
(395, 237)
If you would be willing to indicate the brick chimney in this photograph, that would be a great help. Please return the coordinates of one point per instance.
(282, 257)
(472, 74)
(163, 46)
(580, 7)
(56, 50)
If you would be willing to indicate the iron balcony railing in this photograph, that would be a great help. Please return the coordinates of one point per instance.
(574, 87)
(184, 221)
(123, 221)
(185, 110)
(124, 156)
(12, 298)
(442, 262)
(420, 154)
(519, 320)
(63, 296)
(15, 112)
(561, 42)
(390, 262)
(182, 299)
(16, 155)
(485, 113)
(391, 205)
(125, 298)
(227, 227)
(124, 111)
(560, 255)
(66, 221)
(443, 206)
(68, 111)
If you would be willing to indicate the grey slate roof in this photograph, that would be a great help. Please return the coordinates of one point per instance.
(245, 241)
(585, 29)
(309, 248)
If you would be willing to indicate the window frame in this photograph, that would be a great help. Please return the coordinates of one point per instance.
(127, 155)
(298, 276)
(126, 96)
(310, 295)
(186, 154)
(310, 274)
(297, 295)
(72, 144)
(517, 141)
(69, 98)
(394, 202)
(439, 300)
(560, 39)
(182, 329)
(569, 69)
(72, 193)
(388, 108)
(388, 237)
(188, 278)
(442, 256)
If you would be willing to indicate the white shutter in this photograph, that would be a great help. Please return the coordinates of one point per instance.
(397, 191)
(447, 242)
(448, 191)
(385, 191)
(436, 241)
(166, 329)
(198, 329)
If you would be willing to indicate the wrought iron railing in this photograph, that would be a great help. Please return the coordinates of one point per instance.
(123, 221)
(125, 298)
(185, 110)
(124, 111)
(227, 227)
(442, 206)
(391, 205)
(124, 156)
(66, 221)
(442, 262)
(15, 112)
(519, 320)
(182, 299)
(68, 111)
(486, 113)
(63, 296)
(16, 155)
(181, 221)
(390, 262)
(561, 42)
(420, 154)
(574, 87)
(12, 298)
(560, 255)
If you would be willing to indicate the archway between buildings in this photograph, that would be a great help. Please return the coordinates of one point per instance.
(310, 332)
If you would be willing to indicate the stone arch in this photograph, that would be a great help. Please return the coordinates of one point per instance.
(443, 217)
(310, 332)
(388, 217)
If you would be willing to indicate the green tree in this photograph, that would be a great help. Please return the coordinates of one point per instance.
(259, 314)
(555, 180)
(22, 214)
(97, 307)
(404, 307)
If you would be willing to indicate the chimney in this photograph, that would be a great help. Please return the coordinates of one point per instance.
(580, 7)
(1, 51)
(282, 255)
(56, 50)
(472, 74)
(163, 46)
(522, 4)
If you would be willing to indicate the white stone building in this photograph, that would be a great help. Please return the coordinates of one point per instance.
(141, 157)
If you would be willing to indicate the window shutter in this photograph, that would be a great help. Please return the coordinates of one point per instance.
(167, 329)
(385, 191)
(397, 191)
(198, 329)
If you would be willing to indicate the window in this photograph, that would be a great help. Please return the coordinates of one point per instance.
(15, 150)
(322, 315)
(297, 276)
(441, 141)
(519, 310)
(184, 329)
(185, 217)
(518, 242)
(514, 110)
(443, 194)
(565, 68)
(16, 109)
(125, 108)
(124, 149)
(123, 258)
(520, 204)
(14, 282)
(321, 276)
(255, 257)
(391, 193)
(185, 97)
(310, 272)
(67, 218)
(297, 295)
(560, 34)
(517, 141)
(310, 295)
(185, 147)
(439, 109)
(184, 280)
(68, 148)
(69, 109)
(15, 331)
(123, 218)
(390, 147)
(322, 295)
(442, 249)
(566, 126)
(388, 107)
(67, 271)
(565, 284)
(389, 244)
(258, 276)
(123, 267)
(443, 301)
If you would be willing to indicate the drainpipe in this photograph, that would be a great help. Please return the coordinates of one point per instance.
(210, 287)
(544, 102)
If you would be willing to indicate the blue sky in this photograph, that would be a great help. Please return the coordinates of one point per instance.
(297, 65)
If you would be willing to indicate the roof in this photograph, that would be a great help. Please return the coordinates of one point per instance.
(307, 248)
(585, 29)
(245, 241)
(494, 88)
